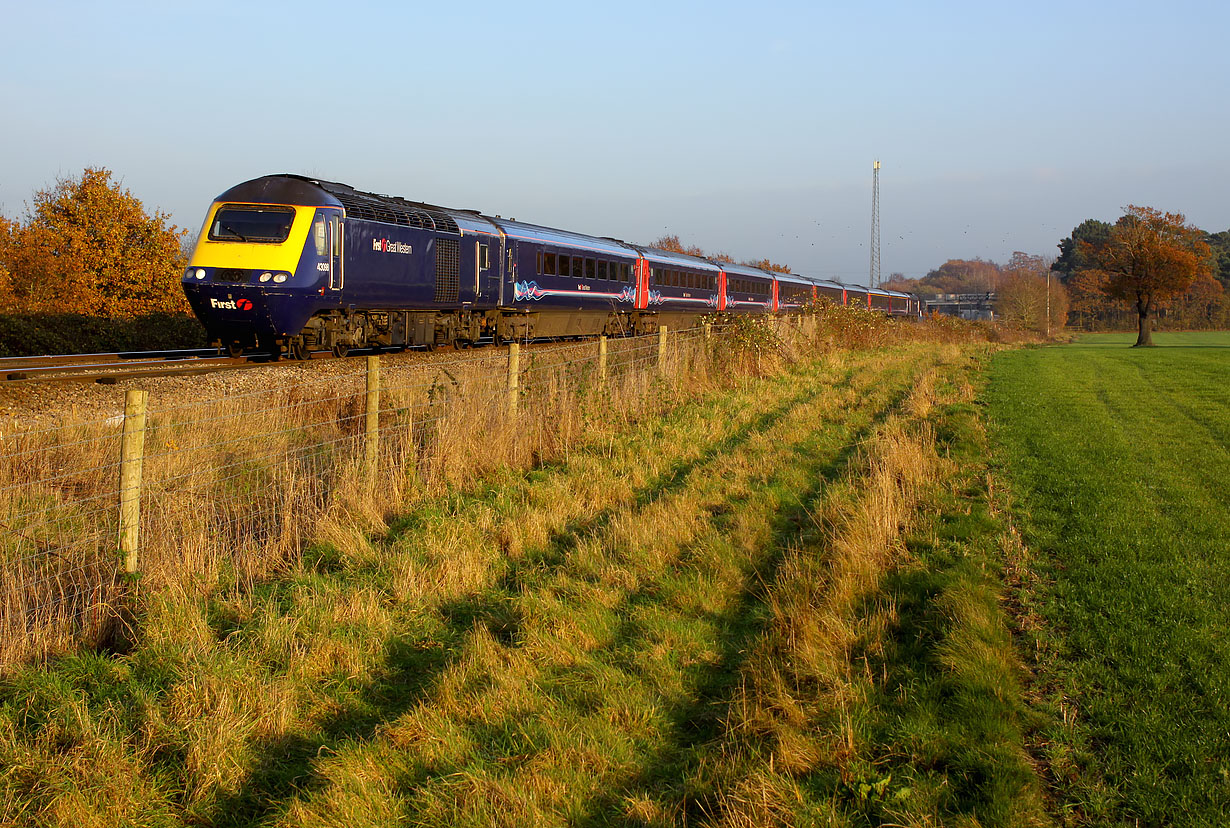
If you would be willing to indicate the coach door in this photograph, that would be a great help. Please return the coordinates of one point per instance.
(510, 269)
(334, 242)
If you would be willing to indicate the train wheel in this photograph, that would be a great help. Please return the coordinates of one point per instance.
(341, 349)
(234, 349)
(299, 350)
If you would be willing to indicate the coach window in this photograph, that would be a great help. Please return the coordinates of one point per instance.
(578, 267)
(484, 257)
(548, 264)
(539, 270)
(591, 269)
(564, 265)
(602, 270)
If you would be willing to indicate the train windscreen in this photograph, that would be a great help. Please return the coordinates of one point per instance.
(266, 225)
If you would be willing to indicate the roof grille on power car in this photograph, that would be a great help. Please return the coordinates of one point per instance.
(390, 209)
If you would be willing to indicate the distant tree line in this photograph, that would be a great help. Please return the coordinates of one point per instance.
(1148, 265)
(1024, 297)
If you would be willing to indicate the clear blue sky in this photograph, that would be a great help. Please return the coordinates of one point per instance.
(748, 128)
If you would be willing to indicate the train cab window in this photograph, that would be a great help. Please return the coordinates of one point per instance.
(565, 265)
(244, 223)
(591, 269)
(320, 236)
(548, 264)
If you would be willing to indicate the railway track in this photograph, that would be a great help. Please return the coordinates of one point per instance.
(108, 369)
(112, 368)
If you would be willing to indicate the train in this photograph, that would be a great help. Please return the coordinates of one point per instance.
(288, 265)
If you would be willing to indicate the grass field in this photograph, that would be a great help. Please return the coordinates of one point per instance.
(1119, 462)
(776, 605)
(824, 593)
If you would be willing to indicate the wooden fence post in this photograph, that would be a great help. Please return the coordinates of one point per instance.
(602, 358)
(662, 350)
(514, 370)
(372, 425)
(132, 453)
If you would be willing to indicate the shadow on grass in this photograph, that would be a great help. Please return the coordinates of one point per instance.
(286, 769)
(670, 774)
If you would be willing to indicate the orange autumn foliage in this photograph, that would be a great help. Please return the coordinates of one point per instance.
(88, 247)
(1147, 258)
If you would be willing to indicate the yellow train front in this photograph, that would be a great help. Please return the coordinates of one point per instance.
(268, 260)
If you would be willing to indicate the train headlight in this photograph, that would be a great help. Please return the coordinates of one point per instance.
(279, 277)
(200, 273)
(265, 277)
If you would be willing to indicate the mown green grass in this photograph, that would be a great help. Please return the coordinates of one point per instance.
(683, 624)
(1119, 463)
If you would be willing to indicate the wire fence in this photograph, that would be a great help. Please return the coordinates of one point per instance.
(235, 487)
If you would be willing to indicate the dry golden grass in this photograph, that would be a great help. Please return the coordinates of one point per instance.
(630, 616)
(233, 489)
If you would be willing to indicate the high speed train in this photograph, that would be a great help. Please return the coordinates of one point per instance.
(287, 264)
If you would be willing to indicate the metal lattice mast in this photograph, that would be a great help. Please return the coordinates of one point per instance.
(875, 226)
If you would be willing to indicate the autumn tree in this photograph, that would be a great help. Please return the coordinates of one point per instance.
(1087, 296)
(961, 276)
(88, 246)
(674, 245)
(1202, 306)
(1148, 256)
(1024, 299)
(766, 264)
